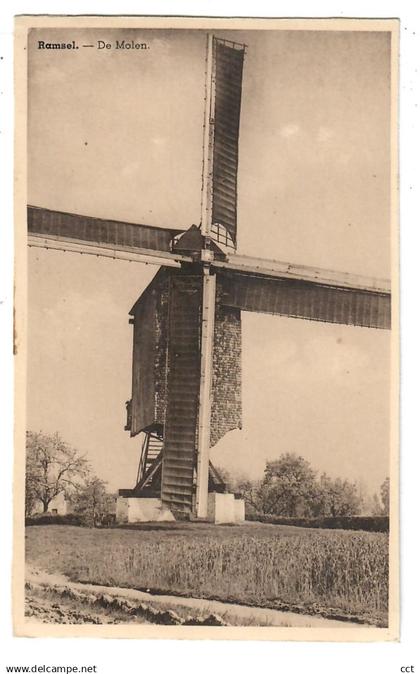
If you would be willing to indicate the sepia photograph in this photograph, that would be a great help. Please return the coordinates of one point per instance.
(207, 328)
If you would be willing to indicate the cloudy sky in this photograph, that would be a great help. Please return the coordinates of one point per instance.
(118, 134)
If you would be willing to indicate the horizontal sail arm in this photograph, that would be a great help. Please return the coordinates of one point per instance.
(96, 236)
(307, 299)
(275, 269)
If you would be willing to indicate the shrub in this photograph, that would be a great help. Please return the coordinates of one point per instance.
(354, 523)
(48, 518)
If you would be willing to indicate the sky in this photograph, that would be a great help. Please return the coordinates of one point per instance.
(118, 134)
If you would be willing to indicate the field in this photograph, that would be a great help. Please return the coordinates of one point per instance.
(332, 573)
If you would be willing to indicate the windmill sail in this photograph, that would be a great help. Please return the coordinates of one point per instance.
(222, 136)
(311, 300)
(72, 230)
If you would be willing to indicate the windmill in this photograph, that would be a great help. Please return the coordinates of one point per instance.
(186, 372)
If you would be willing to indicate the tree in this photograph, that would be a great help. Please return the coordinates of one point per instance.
(288, 487)
(319, 503)
(226, 476)
(250, 491)
(364, 497)
(92, 501)
(338, 497)
(385, 496)
(52, 467)
(376, 506)
(30, 492)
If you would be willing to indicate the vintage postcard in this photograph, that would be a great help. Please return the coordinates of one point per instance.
(206, 328)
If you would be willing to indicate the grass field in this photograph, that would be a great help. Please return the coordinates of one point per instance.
(341, 572)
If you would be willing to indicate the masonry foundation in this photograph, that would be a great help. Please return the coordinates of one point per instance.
(225, 509)
(134, 509)
(222, 509)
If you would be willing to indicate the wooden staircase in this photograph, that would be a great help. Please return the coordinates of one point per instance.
(183, 392)
(150, 461)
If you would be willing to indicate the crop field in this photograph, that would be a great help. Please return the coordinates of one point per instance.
(335, 573)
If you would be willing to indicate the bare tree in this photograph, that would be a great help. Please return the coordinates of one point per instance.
(251, 493)
(52, 467)
(30, 492)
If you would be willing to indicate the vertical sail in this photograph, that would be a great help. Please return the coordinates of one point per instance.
(221, 131)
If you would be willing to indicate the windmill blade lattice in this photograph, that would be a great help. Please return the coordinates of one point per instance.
(98, 236)
(310, 300)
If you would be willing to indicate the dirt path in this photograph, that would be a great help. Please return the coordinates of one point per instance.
(43, 606)
(55, 599)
